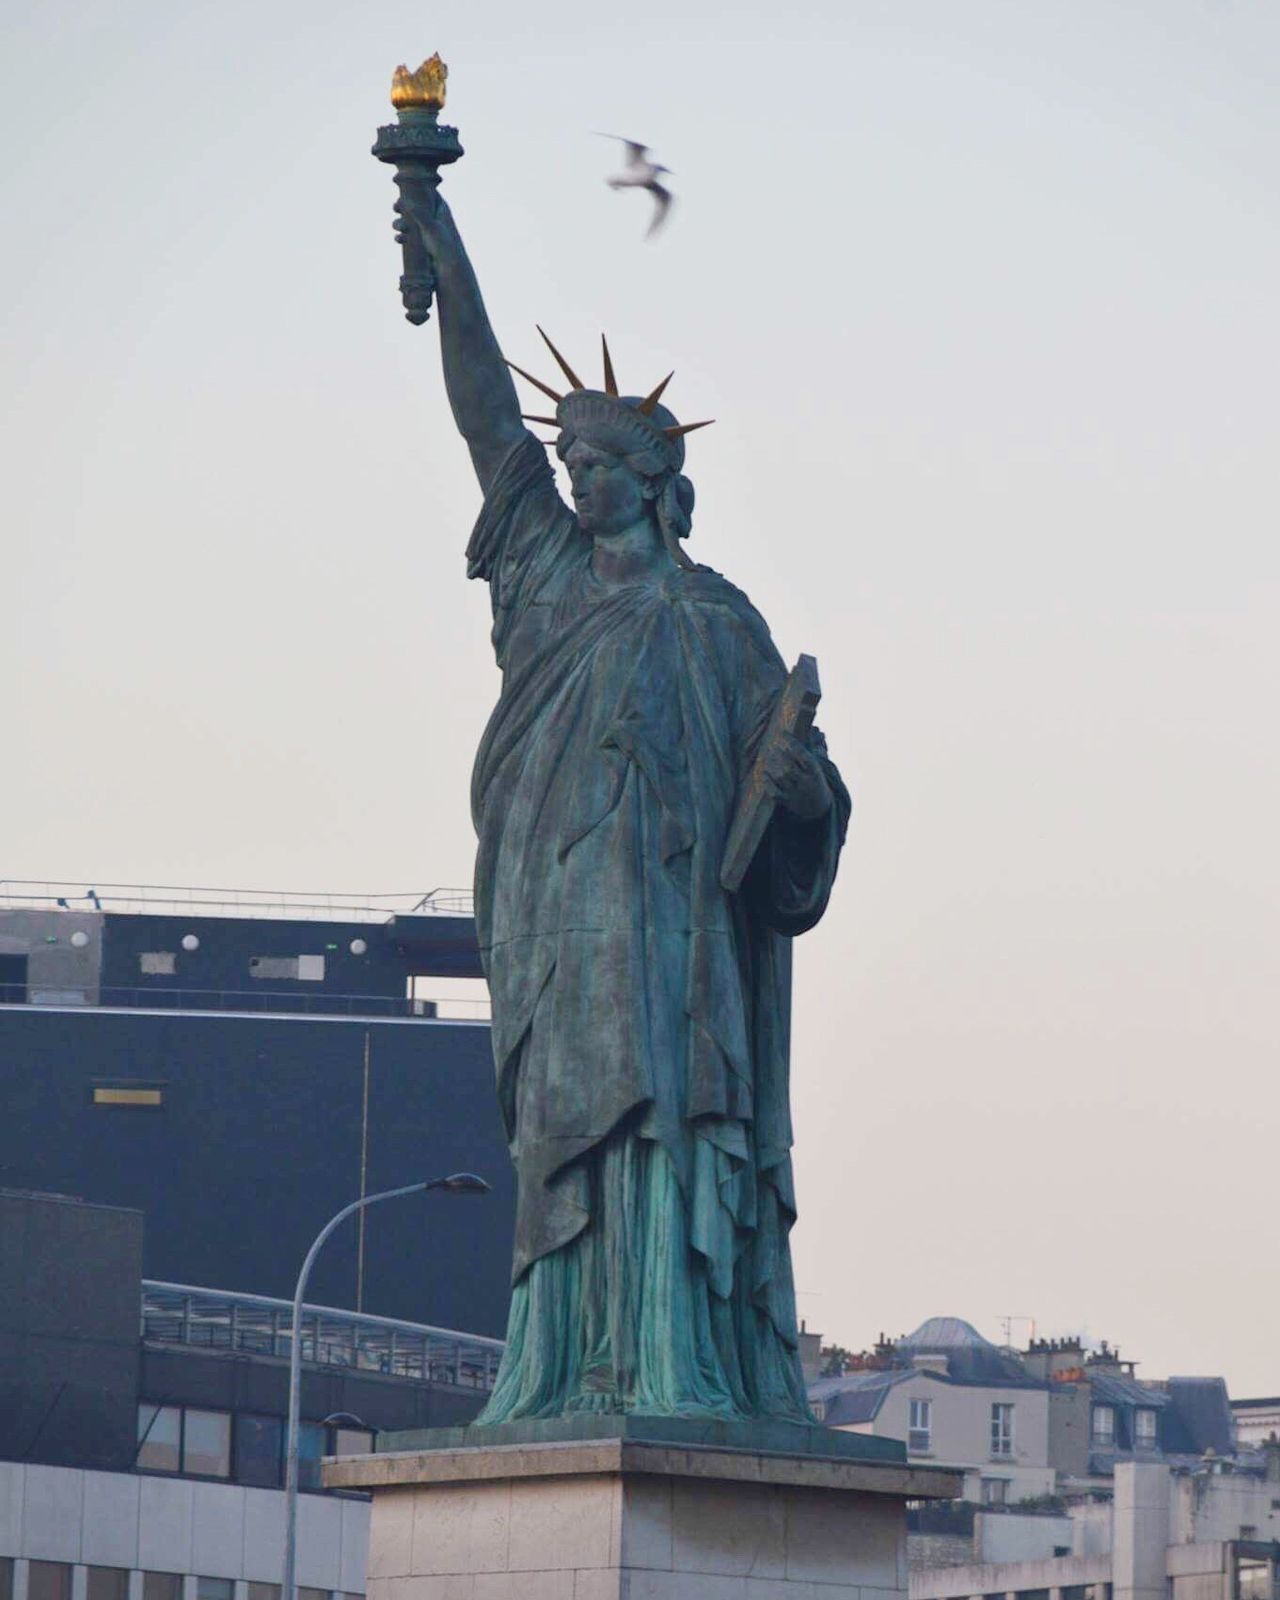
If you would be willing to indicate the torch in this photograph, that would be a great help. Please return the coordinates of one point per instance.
(417, 144)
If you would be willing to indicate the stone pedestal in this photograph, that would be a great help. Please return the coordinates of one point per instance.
(630, 1515)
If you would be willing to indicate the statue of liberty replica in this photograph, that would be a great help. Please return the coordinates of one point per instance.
(640, 1006)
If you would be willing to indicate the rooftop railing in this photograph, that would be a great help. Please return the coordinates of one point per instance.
(209, 1319)
(159, 899)
(161, 997)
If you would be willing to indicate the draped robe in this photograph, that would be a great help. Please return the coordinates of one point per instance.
(641, 1014)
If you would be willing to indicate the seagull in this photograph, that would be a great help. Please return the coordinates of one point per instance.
(641, 173)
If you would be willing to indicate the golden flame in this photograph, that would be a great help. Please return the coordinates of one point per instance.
(422, 90)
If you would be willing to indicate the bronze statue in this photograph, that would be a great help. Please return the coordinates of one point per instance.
(640, 1007)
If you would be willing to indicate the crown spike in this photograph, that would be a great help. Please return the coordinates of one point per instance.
(564, 366)
(536, 382)
(689, 427)
(551, 422)
(610, 382)
(646, 406)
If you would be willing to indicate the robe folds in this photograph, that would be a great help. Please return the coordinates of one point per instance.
(641, 1014)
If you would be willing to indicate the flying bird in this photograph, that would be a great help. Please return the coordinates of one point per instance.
(641, 173)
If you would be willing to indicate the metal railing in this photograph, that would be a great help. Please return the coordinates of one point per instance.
(161, 997)
(210, 1319)
(159, 899)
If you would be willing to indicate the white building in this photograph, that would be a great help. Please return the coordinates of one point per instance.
(960, 1403)
(1256, 1420)
(71, 1534)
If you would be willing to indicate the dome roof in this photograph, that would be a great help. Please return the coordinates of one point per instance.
(970, 1358)
(946, 1333)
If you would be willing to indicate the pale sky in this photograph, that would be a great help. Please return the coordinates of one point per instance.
(983, 296)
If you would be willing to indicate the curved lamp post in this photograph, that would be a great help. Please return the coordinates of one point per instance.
(455, 1183)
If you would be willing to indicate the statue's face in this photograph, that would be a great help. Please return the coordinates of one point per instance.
(607, 495)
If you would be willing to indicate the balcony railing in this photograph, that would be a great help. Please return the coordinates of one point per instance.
(209, 1319)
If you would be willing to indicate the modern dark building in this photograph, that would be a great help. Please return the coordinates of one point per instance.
(142, 1424)
(239, 1067)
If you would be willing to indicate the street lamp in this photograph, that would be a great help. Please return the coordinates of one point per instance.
(455, 1183)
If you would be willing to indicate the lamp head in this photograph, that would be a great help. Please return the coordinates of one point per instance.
(461, 1183)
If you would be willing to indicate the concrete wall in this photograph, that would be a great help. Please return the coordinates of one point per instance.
(1201, 1572)
(1209, 1506)
(1091, 1530)
(57, 972)
(1012, 1538)
(962, 1583)
(642, 1536)
(142, 1524)
(1140, 1531)
(939, 1550)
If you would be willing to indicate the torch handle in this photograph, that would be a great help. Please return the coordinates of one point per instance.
(418, 281)
(417, 146)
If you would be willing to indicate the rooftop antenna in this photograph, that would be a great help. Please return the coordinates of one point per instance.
(1007, 1322)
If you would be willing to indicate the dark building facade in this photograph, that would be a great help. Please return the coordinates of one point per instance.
(237, 1078)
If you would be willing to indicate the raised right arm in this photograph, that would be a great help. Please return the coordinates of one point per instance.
(479, 386)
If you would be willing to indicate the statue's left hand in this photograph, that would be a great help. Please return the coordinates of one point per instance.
(796, 777)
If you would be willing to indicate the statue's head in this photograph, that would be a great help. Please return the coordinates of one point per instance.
(624, 455)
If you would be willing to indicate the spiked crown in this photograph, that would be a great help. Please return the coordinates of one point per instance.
(623, 424)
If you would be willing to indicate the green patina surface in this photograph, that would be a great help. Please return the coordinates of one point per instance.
(775, 1438)
(641, 1010)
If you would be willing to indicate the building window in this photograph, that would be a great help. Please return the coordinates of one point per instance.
(1001, 1430)
(259, 1450)
(171, 1439)
(995, 1491)
(273, 967)
(312, 1594)
(206, 1443)
(1103, 1426)
(48, 1580)
(1144, 1429)
(107, 1583)
(215, 1589)
(160, 1438)
(6, 1578)
(161, 1586)
(308, 968)
(158, 963)
(264, 1591)
(919, 1426)
(128, 1094)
